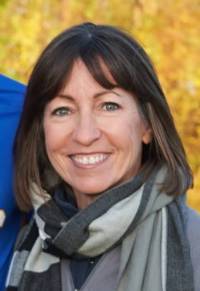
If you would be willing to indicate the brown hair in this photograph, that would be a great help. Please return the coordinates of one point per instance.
(132, 70)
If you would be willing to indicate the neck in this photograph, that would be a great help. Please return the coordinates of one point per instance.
(83, 200)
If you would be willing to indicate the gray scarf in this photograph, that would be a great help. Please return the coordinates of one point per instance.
(149, 225)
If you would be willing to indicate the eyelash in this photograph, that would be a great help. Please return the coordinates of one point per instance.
(111, 104)
(106, 106)
(61, 111)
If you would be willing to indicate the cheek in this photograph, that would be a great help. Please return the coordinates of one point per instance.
(132, 133)
(133, 148)
(126, 133)
(55, 133)
(52, 138)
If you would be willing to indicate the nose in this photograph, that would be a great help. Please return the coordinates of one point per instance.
(86, 130)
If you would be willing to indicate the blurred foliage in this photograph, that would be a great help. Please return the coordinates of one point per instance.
(169, 31)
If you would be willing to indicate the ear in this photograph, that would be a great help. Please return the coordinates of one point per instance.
(147, 135)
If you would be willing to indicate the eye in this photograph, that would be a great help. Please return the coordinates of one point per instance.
(110, 106)
(61, 111)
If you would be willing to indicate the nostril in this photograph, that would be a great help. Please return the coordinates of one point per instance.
(86, 133)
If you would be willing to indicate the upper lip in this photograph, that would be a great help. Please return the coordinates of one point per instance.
(90, 153)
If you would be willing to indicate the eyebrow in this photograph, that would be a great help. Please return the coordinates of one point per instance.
(97, 95)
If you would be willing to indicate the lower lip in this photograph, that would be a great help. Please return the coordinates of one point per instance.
(89, 166)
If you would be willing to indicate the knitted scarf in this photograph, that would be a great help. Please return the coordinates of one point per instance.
(147, 223)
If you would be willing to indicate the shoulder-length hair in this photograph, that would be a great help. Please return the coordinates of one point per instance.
(132, 70)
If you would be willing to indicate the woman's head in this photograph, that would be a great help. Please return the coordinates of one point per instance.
(104, 59)
(93, 135)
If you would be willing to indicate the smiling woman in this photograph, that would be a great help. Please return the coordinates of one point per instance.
(107, 175)
(88, 154)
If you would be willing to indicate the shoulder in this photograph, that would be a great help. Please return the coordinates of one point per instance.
(11, 100)
(193, 234)
(8, 84)
(193, 224)
(11, 95)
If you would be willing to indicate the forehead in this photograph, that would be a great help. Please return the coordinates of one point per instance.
(81, 85)
(89, 77)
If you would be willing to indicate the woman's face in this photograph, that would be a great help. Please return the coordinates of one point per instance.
(93, 136)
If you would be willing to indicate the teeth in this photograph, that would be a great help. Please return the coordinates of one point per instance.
(89, 160)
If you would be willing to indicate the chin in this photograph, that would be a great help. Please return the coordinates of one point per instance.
(92, 189)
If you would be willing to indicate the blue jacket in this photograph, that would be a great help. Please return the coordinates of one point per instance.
(11, 101)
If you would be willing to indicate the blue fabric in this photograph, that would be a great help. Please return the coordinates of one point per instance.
(11, 101)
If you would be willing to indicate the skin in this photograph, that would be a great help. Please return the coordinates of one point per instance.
(93, 136)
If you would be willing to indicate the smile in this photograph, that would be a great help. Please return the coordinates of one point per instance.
(89, 159)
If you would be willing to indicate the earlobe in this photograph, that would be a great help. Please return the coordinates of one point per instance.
(147, 136)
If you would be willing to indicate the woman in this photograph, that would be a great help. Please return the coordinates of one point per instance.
(99, 159)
